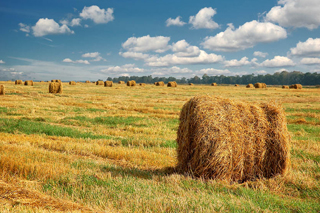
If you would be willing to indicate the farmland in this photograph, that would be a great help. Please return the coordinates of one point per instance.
(113, 149)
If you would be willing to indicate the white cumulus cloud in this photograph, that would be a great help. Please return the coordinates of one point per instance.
(203, 19)
(260, 54)
(146, 43)
(95, 55)
(46, 26)
(134, 55)
(246, 36)
(68, 60)
(184, 49)
(2, 62)
(237, 63)
(310, 61)
(24, 28)
(296, 13)
(175, 22)
(127, 68)
(278, 61)
(213, 71)
(310, 47)
(99, 16)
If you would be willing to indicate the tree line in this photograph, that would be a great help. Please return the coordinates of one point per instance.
(278, 78)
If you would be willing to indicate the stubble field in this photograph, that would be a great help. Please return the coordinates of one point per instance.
(113, 149)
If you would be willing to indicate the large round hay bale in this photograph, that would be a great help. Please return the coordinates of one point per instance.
(296, 86)
(121, 82)
(108, 83)
(214, 84)
(28, 83)
(236, 85)
(260, 85)
(2, 92)
(99, 83)
(191, 84)
(131, 83)
(142, 84)
(87, 82)
(172, 84)
(55, 87)
(155, 83)
(285, 87)
(230, 140)
(18, 82)
(160, 83)
(72, 83)
(250, 86)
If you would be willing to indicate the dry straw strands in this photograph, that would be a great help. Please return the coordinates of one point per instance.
(214, 84)
(18, 82)
(172, 84)
(296, 86)
(55, 87)
(285, 87)
(131, 83)
(87, 82)
(108, 83)
(72, 83)
(142, 84)
(250, 86)
(2, 92)
(160, 83)
(230, 140)
(260, 85)
(28, 83)
(121, 82)
(99, 83)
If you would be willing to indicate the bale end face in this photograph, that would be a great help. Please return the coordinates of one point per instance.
(2, 92)
(28, 83)
(211, 146)
(191, 84)
(214, 84)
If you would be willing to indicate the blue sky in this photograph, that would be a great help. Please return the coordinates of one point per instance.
(90, 40)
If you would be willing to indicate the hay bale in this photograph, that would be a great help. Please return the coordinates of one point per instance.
(56, 80)
(260, 85)
(142, 84)
(236, 85)
(214, 84)
(285, 87)
(172, 84)
(250, 86)
(55, 87)
(191, 84)
(160, 83)
(18, 82)
(121, 82)
(28, 83)
(219, 138)
(41, 81)
(108, 83)
(155, 83)
(2, 92)
(131, 83)
(296, 86)
(99, 83)
(72, 83)
(87, 82)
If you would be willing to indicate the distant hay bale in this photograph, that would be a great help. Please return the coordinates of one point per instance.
(219, 138)
(142, 84)
(2, 92)
(28, 83)
(155, 83)
(56, 80)
(236, 85)
(160, 83)
(260, 85)
(41, 81)
(18, 82)
(191, 84)
(87, 82)
(55, 87)
(172, 84)
(285, 87)
(131, 83)
(99, 83)
(121, 82)
(214, 84)
(250, 86)
(296, 86)
(72, 83)
(108, 83)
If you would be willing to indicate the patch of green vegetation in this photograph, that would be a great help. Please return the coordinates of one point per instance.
(304, 155)
(96, 110)
(302, 110)
(8, 111)
(169, 144)
(108, 121)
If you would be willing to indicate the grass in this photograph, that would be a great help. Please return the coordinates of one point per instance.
(114, 150)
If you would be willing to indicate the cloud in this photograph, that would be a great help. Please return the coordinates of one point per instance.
(24, 28)
(95, 55)
(74, 22)
(310, 61)
(213, 71)
(127, 68)
(146, 43)
(170, 71)
(260, 54)
(134, 55)
(260, 72)
(183, 49)
(235, 63)
(310, 47)
(46, 26)
(296, 13)
(203, 19)
(174, 22)
(246, 36)
(68, 60)
(99, 16)
(278, 61)
(2, 62)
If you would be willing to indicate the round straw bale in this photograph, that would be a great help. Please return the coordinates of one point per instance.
(99, 83)
(219, 138)
(131, 83)
(160, 83)
(72, 83)
(142, 84)
(121, 82)
(55, 87)
(172, 84)
(108, 83)
(87, 82)
(285, 87)
(2, 92)
(296, 86)
(155, 83)
(214, 84)
(41, 81)
(56, 80)
(260, 85)
(18, 82)
(236, 85)
(28, 83)
(191, 84)
(250, 86)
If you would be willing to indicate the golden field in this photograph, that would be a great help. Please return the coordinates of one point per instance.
(113, 149)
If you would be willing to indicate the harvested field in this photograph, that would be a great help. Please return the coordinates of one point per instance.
(115, 150)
